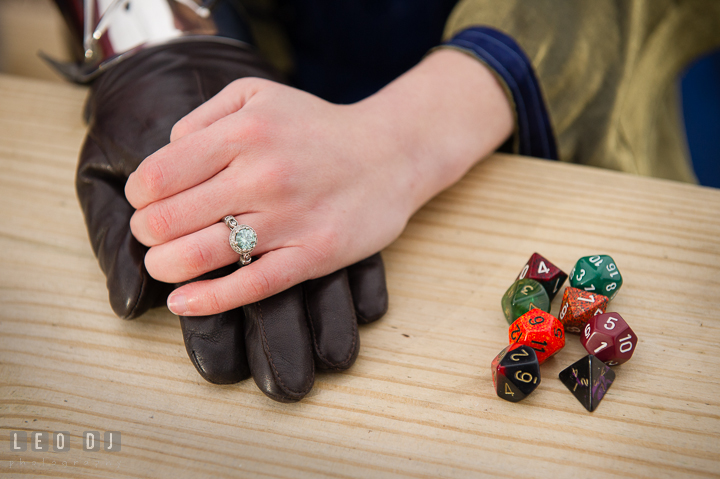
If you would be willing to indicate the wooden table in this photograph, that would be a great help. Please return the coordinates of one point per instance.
(419, 402)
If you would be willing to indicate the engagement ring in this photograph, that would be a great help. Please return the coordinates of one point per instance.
(242, 239)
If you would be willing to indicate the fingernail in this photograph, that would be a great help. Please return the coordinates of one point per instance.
(177, 304)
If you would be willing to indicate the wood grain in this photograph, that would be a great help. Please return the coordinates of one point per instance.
(419, 401)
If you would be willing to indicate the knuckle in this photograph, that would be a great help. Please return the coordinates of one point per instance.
(196, 258)
(240, 82)
(259, 130)
(159, 222)
(260, 285)
(275, 180)
(281, 178)
(212, 302)
(179, 129)
(153, 179)
(243, 84)
(237, 84)
(236, 87)
(318, 254)
(323, 246)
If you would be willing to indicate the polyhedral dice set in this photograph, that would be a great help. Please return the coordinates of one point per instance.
(535, 334)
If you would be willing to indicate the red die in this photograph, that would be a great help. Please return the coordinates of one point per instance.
(541, 331)
(609, 338)
(579, 306)
(545, 273)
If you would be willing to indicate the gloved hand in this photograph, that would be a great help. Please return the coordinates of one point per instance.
(131, 110)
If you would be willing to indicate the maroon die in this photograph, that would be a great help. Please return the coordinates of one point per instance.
(545, 273)
(609, 338)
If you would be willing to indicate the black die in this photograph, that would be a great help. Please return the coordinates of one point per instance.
(516, 372)
(588, 379)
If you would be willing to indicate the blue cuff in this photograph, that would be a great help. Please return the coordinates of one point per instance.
(502, 54)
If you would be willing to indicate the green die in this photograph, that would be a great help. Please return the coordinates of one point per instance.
(522, 296)
(598, 274)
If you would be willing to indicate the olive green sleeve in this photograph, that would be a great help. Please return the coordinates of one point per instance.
(608, 71)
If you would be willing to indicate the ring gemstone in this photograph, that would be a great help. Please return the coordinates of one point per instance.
(246, 238)
(242, 239)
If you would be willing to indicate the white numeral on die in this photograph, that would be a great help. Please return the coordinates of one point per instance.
(610, 323)
(602, 346)
(625, 342)
(524, 271)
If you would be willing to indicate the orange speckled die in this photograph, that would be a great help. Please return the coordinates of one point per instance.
(539, 330)
(579, 306)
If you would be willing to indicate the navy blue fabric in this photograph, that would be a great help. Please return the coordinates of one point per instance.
(344, 51)
(701, 110)
(502, 54)
(230, 22)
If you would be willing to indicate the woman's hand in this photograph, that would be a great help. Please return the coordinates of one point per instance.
(323, 185)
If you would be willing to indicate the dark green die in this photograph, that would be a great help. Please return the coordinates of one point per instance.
(598, 274)
(522, 296)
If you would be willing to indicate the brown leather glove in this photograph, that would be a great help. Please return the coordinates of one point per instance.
(280, 340)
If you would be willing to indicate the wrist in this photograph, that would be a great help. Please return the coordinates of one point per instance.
(438, 120)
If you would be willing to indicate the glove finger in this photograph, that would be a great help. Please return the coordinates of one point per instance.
(331, 316)
(216, 346)
(368, 287)
(216, 343)
(279, 348)
(121, 257)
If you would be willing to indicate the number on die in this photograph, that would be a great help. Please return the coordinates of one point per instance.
(540, 331)
(578, 307)
(515, 372)
(544, 272)
(524, 295)
(597, 274)
(609, 338)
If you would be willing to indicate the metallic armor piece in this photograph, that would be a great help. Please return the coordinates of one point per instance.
(109, 31)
